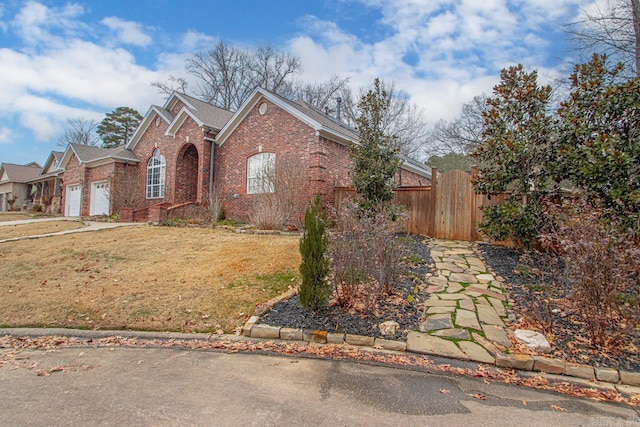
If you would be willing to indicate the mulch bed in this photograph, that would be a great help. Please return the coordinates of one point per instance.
(542, 301)
(289, 313)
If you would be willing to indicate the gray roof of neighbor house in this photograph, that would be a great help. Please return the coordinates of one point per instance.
(21, 173)
(90, 154)
(210, 115)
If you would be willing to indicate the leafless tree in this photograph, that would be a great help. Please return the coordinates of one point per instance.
(79, 131)
(406, 121)
(174, 84)
(461, 135)
(323, 94)
(613, 29)
(126, 190)
(227, 75)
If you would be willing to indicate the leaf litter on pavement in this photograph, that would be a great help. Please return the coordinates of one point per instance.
(13, 347)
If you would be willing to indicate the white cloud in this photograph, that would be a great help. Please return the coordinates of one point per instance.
(5, 135)
(36, 23)
(60, 71)
(128, 32)
(457, 47)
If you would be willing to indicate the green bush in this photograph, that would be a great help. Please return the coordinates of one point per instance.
(315, 290)
(511, 219)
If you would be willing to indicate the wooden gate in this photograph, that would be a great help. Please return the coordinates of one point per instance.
(454, 206)
(448, 209)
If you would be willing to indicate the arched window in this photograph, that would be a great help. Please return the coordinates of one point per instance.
(156, 168)
(260, 173)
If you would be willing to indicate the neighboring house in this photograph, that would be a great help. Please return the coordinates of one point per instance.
(90, 174)
(46, 187)
(188, 151)
(15, 189)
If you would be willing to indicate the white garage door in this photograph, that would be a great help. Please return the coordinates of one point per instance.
(73, 200)
(99, 198)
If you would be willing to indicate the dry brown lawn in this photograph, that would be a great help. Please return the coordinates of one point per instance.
(144, 278)
(13, 216)
(37, 228)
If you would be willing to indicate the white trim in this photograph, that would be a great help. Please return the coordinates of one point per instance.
(144, 125)
(260, 94)
(179, 120)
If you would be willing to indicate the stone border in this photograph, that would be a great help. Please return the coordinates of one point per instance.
(495, 357)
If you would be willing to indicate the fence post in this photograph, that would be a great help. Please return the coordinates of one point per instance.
(474, 205)
(434, 189)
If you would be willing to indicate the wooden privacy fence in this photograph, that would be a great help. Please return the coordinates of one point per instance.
(448, 209)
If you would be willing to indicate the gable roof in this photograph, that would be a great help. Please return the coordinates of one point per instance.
(89, 155)
(323, 125)
(204, 114)
(20, 173)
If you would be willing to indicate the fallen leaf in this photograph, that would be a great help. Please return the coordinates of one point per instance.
(445, 391)
(524, 402)
(478, 396)
(558, 408)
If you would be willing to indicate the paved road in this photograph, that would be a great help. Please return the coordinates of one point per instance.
(163, 386)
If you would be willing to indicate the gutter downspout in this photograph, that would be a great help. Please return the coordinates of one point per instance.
(213, 145)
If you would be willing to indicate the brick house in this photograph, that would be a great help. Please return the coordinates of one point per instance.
(187, 150)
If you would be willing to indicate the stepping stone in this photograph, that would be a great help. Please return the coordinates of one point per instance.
(453, 296)
(437, 321)
(457, 333)
(448, 266)
(498, 306)
(482, 301)
(487, 277)
(486, 292)
(443, 273)
(476, 352)
(496, 334)
(433, 289)
(461, 277)
(440, 310)
(467, 304)
(492, 348)
(467, 319)
(435, 302)
(438, 281)
(488, 315)
(454, 258)
(463, 251)
(454, 287)
(427, 344)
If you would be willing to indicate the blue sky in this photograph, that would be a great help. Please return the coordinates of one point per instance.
(63, 60)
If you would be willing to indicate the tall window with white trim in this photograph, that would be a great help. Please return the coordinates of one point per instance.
(260, 173)
(156, 169)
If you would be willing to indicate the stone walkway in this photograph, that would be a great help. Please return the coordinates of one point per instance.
(466, 311)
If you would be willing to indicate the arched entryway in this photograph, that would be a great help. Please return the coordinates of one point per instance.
(187, 174)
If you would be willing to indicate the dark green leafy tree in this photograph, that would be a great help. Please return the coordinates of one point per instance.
(374, 159)
(516, 146)
(315, 290)
(599, 143)
(118, 126)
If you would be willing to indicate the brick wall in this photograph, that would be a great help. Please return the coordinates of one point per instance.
(75, 173)
(187, 158)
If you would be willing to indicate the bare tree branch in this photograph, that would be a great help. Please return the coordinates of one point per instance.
(613, 30)
(79, 131)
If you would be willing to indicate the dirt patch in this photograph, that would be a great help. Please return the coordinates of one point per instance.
(543, 302)
(404, 305)
(145, 278)
(37, 228)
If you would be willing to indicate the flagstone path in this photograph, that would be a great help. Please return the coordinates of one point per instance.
(466, 311)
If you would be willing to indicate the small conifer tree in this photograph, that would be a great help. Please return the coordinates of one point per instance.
(314, 291)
